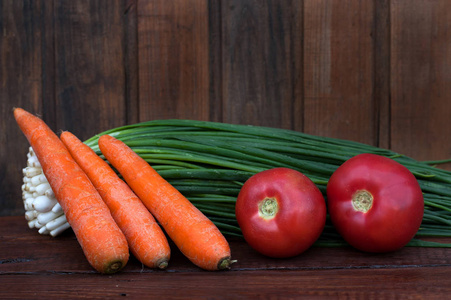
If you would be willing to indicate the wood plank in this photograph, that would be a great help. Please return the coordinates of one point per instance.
(421, 80)
(25, 251)
(21, 29)
(131, 61)
(56, 267)
(215, 60)
(339, 70)
(261, 43)
(89, 61)
(173, 49)
(48, 65)
(382, 72)
(403, 283)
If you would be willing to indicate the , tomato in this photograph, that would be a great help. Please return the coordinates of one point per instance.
(281, 212)
(375, 203)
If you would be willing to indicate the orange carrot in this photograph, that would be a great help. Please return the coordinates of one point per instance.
(193, 233)
(146, 239)
(103, 243)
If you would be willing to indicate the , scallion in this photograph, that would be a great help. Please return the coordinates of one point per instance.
(209, 162)
(42, 210)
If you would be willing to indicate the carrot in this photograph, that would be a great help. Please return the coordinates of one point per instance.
(193, 233)
(146, 239)
(101, 240)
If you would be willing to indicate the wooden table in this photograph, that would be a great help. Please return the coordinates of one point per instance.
(34, 266)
